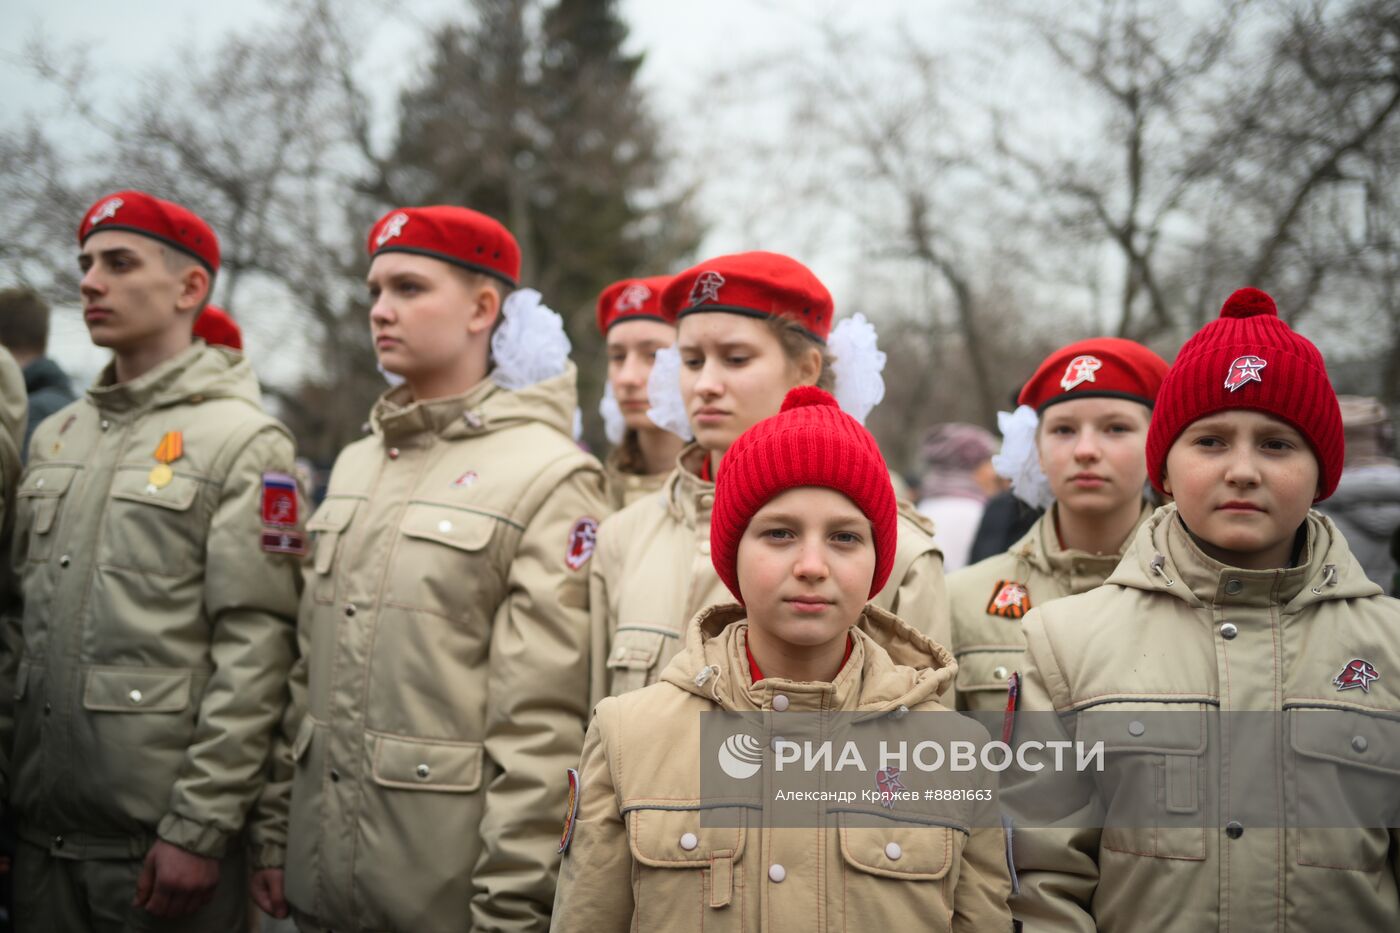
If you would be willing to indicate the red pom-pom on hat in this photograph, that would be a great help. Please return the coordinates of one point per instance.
(458, 235)
(632, 299)
(165, 221)
(1248, 302)
(803, 396)
(810, 442)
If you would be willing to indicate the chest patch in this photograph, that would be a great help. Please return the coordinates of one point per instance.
(1010, 600)
(1359, 673)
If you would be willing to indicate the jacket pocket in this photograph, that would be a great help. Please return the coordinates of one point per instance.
(982, 678)
(443, 564)
(895, 872)
(138, 723)
(327, 526)
(418, 764)
(1345, 787)
(633, 659)
(689, 876)
(136, 690)
(153, 529)
(1152, 785)
(37, 504)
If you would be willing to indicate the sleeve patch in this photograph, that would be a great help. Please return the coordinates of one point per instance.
(583, 538)
(279, 500)
(284, 542)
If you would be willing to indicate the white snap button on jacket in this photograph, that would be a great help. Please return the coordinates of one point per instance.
(780, 702)
(444, 526)
(893, 851)
(688, 841)
(776, 873)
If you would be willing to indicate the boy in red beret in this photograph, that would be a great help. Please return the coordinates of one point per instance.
(631, 322)
(443, 689)
(158, 538)
(1239, 669)
(803, 535)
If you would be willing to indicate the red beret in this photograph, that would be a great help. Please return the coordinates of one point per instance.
(753, 284)
(632, 299)
(1104, 367)
(457, 235)
(137, 212)
(217, 329)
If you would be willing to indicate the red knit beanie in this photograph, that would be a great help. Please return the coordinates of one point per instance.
(811, 442)
(1249, 359)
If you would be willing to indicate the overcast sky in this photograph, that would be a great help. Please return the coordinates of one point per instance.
(685, 43)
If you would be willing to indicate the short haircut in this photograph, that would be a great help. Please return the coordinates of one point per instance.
(24, 320)
(178, 261)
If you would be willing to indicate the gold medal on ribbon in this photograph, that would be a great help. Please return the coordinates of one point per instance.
(170, 449)
(160, 475)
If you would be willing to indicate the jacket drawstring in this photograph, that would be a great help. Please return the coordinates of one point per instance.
(1159, 565)
(704, 676)
(1329, 578)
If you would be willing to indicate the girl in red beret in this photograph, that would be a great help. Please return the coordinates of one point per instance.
(1238, 666)
(803, 534)
(1074, 447)
(750, 327)
(630, 320)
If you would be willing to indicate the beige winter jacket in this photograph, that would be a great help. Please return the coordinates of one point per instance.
(1180, 646)
(445, 665)
(159, 613)
(653, 574)
(643, 857)
(987, 640)
(625, 488)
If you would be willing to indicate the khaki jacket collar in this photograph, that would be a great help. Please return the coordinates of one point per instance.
(484, 408)
(891, 665)
(1040, 548)
(1163, 557)
(688, 497)
(199, 373)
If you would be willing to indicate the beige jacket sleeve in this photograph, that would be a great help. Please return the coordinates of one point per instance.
(595, 880)
(250, 598)
(600, 621)
(1057, 867)
(922, 598)
(984, 878)
(537, 705)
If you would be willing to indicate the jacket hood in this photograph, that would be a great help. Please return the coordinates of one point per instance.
(198, 374)
(1163, 557)
(891, 665)
(480, 410)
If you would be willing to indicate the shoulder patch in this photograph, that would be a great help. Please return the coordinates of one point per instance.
(284, 542)
(570, 812)
(1010, 600)
(279, 500)
(583, 538)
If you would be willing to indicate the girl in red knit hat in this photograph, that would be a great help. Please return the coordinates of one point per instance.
(1241, 671)
(803, 534)
(750, 327)
(631, 322)
(1073, 447)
